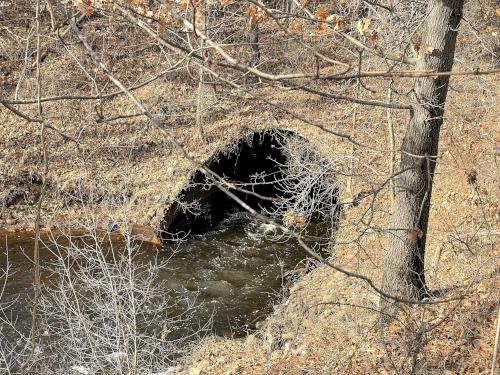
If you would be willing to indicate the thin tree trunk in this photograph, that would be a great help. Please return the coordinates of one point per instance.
(404, 261)
(254, 42)
(350, 188)
(392, 144)
(199, 105)
(200, 97)
(50, 9)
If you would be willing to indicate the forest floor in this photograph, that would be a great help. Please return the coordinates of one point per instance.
(328, 324)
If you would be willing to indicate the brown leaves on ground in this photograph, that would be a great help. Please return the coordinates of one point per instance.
(457, 338)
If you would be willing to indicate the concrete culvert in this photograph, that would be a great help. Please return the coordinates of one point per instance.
(300, 186)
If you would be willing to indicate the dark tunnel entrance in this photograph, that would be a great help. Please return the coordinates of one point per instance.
(252, 162)
(233, 260)
(296, 181)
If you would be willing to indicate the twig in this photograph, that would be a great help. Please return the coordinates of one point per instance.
(91, 97)
(38, 120)
(224, 186)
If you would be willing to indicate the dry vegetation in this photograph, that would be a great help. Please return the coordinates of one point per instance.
(327, 324)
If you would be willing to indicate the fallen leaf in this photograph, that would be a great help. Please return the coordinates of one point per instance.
(429, 49)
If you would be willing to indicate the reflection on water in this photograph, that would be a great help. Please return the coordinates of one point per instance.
(234, 272)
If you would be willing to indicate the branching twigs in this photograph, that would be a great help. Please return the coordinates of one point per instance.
(284, 78)
(168, 44)
(25, 67)
(238, 65)
(279, 107)
(228, 72)
(258, 97)
(338, 303)
(357, 43)
(51, 13)
(384, 55)
(225, 186)
(105, 306)
(110, 95)
(19, 113)
(36, 253)
(314, 51)
(408, 74)
(200, 100)
(261, 98)
(375, 74)
(330, 95)
(318, 257)
(38, 120)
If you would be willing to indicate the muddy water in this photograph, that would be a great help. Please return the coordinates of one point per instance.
(233, 273)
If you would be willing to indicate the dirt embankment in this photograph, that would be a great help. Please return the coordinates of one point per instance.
(328, 323)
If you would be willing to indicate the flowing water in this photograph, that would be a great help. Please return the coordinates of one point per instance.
(233, 273)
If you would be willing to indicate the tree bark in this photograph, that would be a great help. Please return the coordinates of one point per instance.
(254, 42)
(404, 261)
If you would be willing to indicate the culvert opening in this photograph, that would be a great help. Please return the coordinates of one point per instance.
(300, 186)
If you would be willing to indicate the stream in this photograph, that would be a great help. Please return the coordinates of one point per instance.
(233, 273)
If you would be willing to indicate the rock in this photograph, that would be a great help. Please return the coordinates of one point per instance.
(144, 233)
(80, 370)
(217, 288)
(11, 221)
(261, 324)
(116, 356)
(267, 228)
(11, 197)
(169, 370)
(251, 340)
(113, 227)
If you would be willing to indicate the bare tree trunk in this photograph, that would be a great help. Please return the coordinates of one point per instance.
(254, 42)
(350, 188)
(50, 9)
(404, 261)
(199, 106)
(200, 99)
(392, 144)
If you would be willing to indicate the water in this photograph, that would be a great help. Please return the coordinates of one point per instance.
(233, 273)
